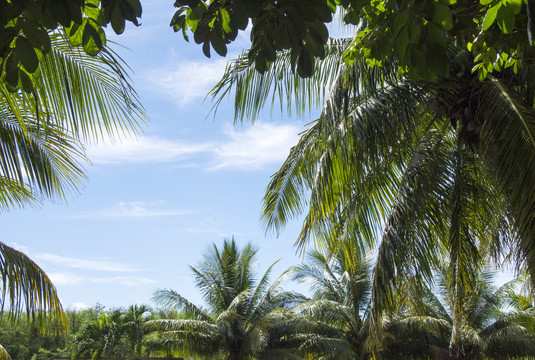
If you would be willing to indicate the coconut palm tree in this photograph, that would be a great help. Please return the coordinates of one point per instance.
(431, 169)
(101, 338)
(244, 319)
(134, 319)
(424, 325)
(341, 294)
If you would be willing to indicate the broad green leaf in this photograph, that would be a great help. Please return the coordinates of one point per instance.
(206, 48)
(197, 12)
(76, 32)
(239, 15)
(443, 16)
(26, 81)
(93, 39)
(506, 19)
(116, 19)
(37, 35)
(12, 70)
(305, 64)
(219, 45)
(490, 16)
(402, 41)
(136, 6)
(436, 35)
(26, 54)
(225, 20)
(515, 5)
(401, 20)
(93, 11)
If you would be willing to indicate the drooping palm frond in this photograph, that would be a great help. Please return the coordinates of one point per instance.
(171, 299)
(77, 98)
(44, 160)
(88, 96)
(509, 148)
(4, 354)
(27, 289)
(253, 90)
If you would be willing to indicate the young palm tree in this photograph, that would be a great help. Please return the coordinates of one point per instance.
(424, 325)
(340, 299)
(245, 318)
(100, 338)
(133, 322)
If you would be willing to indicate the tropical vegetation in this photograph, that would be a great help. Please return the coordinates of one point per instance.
(341, 299)
(426, 170)
(415, 33)
(54, 99)
(245, 318)
(259, 320)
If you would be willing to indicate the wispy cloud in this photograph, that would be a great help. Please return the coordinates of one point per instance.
(77, 263)
(256, 147)
(144, 149)
(136, 209)
(79, 306)
(187, 80)
(73, 271)
(251, 148)
(71, 279)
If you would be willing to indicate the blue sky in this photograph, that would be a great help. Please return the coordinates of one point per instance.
(152, 205)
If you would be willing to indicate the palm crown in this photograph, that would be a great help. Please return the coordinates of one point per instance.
(244, 316)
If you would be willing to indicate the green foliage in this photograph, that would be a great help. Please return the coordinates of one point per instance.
(117, 333)
(295, 25)
(414, 33)
(27, 28)
(422, 170)
(340, 304)
(245, 318)
(76, 98)
(23, 341)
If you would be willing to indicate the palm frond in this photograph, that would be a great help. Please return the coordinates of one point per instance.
(26, 288)
(172, 299)
(280, 82)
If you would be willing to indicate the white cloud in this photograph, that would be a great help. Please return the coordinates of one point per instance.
(65, 278)
(187, 80)
(79, 306)
(20, 247)
(136, 209)
(124, 280)
(143, 149)
(249, 149)
(256, 147)
(70, 279)
(77, 263)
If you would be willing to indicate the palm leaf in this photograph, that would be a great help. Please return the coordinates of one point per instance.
(26, 288)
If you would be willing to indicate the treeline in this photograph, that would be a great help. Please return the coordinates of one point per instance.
(93, 333)
(249, 317)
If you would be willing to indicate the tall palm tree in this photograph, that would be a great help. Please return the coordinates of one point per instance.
(244, 319)
(428, 168)
(341, 294)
